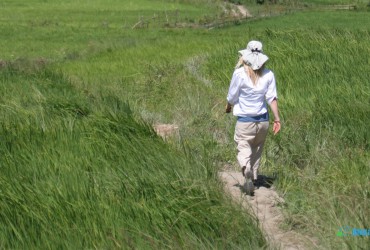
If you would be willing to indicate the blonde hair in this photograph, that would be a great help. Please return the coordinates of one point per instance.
(254, 75)
(239, 63)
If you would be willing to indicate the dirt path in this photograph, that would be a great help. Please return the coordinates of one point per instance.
(264, 205)
(244, 11)
(236, 10)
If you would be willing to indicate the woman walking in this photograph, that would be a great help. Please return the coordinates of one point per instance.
(251, 87)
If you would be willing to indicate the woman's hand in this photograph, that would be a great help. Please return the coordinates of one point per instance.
(228, 108)
(276, 127)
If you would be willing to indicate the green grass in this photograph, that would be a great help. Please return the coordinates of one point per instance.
(82, 168)
(79, 171)
(61, 29)
(334, 2)
(321, 157)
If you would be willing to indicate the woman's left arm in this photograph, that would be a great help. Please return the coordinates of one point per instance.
(271, 98)
(275, 111)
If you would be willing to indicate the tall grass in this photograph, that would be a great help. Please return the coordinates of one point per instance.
(79, 171)
(326, 140)
(322, 152)
(82, 168)
(62, 29)
(321, 157)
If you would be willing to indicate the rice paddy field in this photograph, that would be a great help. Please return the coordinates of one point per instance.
(83, 82)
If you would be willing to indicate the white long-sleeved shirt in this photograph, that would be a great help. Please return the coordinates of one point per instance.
(247, 99)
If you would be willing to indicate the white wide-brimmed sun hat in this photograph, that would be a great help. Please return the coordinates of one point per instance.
(253, 55)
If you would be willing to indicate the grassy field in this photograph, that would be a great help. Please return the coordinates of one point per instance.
(81, 166)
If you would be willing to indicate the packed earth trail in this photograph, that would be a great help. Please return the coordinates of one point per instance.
(264, 206)
(237, 10)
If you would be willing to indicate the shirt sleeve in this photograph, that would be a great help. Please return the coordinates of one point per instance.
(234, 89)
(271, 92)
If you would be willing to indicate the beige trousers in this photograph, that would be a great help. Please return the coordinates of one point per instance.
(250, 138)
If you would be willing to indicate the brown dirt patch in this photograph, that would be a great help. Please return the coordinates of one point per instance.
(166, 130)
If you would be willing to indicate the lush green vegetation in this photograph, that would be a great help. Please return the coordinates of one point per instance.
(336, 2)
(79, 168)
(82, 168)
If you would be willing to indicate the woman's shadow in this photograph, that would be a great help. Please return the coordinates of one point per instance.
(264, 181)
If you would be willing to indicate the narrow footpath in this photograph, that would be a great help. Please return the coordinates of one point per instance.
(265, 206)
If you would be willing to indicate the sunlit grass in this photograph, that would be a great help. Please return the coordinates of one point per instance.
(81, 162)
(77, 173)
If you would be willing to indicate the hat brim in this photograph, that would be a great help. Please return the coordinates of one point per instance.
(244, 51)
(253, 59)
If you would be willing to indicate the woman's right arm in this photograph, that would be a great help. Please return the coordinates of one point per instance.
(233, 94)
